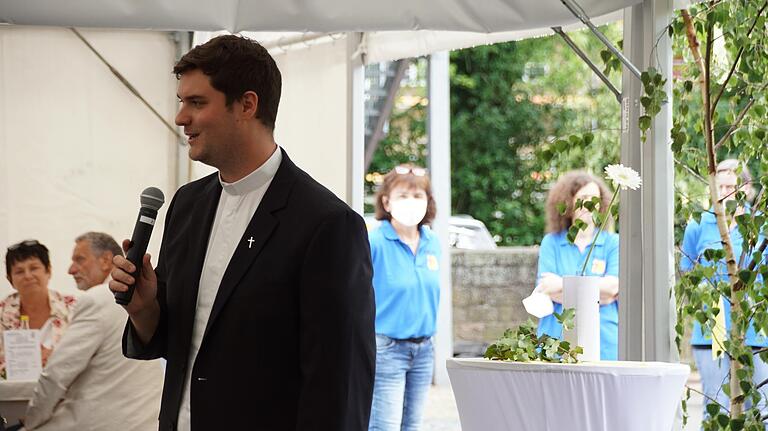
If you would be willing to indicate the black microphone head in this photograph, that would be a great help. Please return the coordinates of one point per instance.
(152, 198)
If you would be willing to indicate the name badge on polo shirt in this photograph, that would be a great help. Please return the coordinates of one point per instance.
(598, 266)
(432, 262)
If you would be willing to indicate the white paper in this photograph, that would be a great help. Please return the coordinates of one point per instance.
(583, 295)
(23, 359)
(538, 305)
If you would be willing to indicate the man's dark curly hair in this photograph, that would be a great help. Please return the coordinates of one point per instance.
(236, 64)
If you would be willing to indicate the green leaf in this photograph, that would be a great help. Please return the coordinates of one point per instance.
(713, 254)
(713, 409)
(561, 145)
(645, 78)
(737, 424)
(561, 208)
(645, 122)
(566, 318)
(747, 276)
(745, 386)
(722, 420)
(688, 86)
(571, 235)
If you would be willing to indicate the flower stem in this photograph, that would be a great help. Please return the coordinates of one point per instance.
(600, 229)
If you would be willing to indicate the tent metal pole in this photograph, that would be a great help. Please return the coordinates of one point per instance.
(579, 13)
(355, 191)
(439, 164)
(305, 39)
(183, 43)
(585, 59)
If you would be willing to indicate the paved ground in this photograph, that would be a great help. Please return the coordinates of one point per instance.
(441, 413)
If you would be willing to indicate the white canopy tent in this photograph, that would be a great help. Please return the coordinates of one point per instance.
(305, 15)
(376, 31)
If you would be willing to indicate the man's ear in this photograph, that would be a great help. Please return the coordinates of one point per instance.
(250, 104)
(105, 261)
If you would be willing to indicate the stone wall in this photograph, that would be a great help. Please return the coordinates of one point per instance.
(488, 287)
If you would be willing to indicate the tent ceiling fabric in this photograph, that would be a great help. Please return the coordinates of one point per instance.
(394, 45)
(485, 16)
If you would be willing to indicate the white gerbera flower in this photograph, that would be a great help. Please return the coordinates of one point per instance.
(623, 176)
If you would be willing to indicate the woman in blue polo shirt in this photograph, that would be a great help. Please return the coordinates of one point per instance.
(703, 235)
(405, 255)
(559, 257)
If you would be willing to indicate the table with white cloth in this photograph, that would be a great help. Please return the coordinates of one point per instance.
(14, 396)
(588, 396)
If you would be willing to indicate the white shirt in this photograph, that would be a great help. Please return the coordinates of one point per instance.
(237, 204)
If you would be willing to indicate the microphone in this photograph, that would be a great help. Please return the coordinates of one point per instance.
(151, 201)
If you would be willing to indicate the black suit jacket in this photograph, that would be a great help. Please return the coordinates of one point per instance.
(290, 341)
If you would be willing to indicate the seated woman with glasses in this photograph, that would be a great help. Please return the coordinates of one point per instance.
(28, 269)
(406, 281)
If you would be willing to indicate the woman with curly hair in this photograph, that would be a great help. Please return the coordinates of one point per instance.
(559, 257)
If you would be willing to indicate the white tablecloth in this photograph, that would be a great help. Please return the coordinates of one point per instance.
(14, 396)
(607, 395)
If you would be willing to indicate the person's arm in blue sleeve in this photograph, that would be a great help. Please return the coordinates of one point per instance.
(548, 279)
(609, 283)
(689, 250)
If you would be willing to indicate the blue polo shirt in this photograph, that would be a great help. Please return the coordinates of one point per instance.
(558, 256)
(697, 238)
(407, 286)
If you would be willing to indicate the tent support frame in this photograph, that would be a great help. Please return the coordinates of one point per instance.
(579, 13)
(585, 59)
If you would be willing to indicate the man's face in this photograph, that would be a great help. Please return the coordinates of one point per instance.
(209, 125)
(727, 184)
(87, 268)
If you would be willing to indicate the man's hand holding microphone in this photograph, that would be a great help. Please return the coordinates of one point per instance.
(134, 282)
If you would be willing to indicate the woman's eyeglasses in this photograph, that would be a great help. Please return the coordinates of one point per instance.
(27, 243)
(403, 170)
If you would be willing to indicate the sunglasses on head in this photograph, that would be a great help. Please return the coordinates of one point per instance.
(404, 170)
(27, 243)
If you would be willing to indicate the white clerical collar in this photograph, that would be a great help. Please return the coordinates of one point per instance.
(257, 178)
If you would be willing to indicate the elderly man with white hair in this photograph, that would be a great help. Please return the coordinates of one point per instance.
(88, 384)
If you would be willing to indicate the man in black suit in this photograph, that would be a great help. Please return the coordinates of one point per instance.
(261, 301)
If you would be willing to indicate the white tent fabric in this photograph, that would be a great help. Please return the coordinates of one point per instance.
(378, 46)
(76, 147)
(303, 15)
(393, 45)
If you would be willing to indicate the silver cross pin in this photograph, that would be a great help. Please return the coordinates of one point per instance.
(250, 242)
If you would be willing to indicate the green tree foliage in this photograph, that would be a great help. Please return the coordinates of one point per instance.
(516, 109)
(720, 111)
(406, 138)
(510, 102)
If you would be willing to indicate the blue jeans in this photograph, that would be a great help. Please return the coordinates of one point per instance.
(714, 373)
(403, 375)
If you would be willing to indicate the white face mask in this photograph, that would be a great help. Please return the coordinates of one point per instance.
(408, 212)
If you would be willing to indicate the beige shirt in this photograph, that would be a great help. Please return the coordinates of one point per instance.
(237, 204)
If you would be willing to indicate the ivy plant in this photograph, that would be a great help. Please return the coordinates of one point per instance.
(523, 345)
